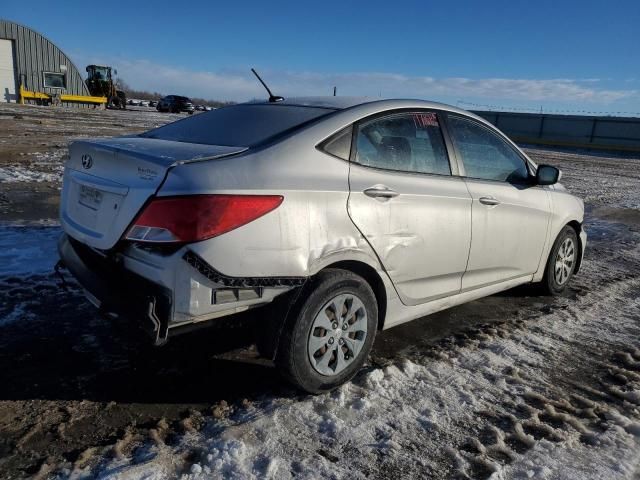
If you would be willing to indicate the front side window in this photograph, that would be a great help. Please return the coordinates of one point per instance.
(484, 154)
(408, 142)
(54, 80)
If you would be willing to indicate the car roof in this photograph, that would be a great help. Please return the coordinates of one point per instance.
(342, 103)
(335, 103)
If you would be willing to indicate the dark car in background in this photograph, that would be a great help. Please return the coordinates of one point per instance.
(175, 104)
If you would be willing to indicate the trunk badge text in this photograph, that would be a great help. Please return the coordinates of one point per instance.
(87, 161)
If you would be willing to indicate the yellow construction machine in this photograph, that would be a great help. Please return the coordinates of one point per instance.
(101, 83)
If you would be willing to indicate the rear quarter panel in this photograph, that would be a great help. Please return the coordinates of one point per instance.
(308, 231)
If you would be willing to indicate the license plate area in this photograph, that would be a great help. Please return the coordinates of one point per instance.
(90, 197)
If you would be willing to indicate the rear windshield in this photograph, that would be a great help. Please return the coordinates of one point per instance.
(245, 125)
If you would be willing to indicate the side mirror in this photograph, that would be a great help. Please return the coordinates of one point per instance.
(547, 175)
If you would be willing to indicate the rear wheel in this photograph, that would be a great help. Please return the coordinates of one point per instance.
(329, 332)
(562, 261)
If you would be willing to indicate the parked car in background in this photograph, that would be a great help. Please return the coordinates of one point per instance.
(199, 108)
(175, 104)
(207, 108)
(338, 217)
(144, 103)
(153, 103)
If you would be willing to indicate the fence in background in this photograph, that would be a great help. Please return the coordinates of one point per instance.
(613, 133)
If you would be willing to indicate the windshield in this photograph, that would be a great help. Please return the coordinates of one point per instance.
(245, 125)
(101, 72)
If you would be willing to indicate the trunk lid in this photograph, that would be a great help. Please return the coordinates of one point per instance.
(107, 181)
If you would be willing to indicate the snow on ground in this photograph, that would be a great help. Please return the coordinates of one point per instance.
(27, 249)
(35, 167)
(481, 405)
(17, 173)
(603, 179)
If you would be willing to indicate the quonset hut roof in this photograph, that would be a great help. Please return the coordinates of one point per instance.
(34, 54)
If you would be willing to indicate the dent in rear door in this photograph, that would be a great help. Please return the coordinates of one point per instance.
(422, 236)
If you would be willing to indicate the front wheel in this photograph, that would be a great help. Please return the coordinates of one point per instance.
(329, 332)
(561, 262)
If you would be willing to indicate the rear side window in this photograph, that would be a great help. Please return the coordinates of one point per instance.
(409, 142)
(339, 145)
(484, 154)
(243, 125)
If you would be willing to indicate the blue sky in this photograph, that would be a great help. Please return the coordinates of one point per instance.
(574, 55)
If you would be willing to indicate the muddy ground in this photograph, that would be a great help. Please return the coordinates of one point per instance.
(76, 388)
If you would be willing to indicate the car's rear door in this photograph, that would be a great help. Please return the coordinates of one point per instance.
(407, 204)
(510, 213)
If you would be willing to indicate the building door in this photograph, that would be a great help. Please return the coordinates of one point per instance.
(7, 72)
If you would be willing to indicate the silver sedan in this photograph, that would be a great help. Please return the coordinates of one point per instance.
(337, 217)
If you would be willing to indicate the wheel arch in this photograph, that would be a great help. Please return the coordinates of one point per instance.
(268, 340)
(577, 227)
(371, 276)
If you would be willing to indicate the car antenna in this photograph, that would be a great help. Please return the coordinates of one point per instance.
(272, 97)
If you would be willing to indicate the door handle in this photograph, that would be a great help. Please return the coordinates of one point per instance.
(380, 191)
(489, 201)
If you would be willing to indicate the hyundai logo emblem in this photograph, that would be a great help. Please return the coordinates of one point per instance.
(87, 161)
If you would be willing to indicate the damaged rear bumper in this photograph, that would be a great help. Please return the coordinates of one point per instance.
(114, 289)
(165, 294)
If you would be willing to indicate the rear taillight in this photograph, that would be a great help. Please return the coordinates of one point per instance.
(198, 217)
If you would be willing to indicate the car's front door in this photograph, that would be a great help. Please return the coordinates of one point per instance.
(406, 203)
(510, 213)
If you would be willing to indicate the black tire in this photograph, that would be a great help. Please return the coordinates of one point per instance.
(292, 358)
(550, 282)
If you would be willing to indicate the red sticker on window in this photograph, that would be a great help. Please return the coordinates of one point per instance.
(425, 120)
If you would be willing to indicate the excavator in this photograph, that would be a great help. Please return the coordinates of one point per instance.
(101, 83)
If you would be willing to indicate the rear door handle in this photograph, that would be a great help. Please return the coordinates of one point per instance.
(380, 191)
(489, 201)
